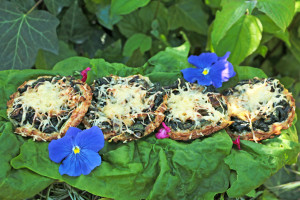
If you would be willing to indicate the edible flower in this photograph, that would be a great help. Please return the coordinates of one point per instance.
(210, 69)
(237, 142)
(163, 132)
(84, 74)
(77, 150)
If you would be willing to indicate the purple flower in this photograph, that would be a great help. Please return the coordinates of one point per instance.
(163, 132)
(84, 74)
(237, 142)
(210, 69)
(77, 150)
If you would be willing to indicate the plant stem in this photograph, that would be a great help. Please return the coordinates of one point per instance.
(35, 5)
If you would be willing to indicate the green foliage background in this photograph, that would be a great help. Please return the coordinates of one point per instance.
(142, 34)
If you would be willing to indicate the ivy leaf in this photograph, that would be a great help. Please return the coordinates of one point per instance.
(22, 35)
(190, 15)
(231, 12)
(121, 7)
(24, 5)
(55, 6)
(47, 60)
(74, 25)
(137, 41)
(241, 39)
(280, 11)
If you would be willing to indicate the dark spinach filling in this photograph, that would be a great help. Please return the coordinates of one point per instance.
(280, 113)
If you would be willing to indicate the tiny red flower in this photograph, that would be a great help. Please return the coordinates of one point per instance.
(163, 132)
(237, 142)
(84, 74)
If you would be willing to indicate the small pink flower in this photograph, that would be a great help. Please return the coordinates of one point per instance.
(84, 74)
(237, 142)
(163, 132)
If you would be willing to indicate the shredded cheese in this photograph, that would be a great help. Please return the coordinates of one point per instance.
(186, 105)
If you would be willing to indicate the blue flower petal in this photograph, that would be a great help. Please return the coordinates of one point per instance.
(88, 160)
(191, 74)
(225, 57)
(92, 139)
(228, 72)
(204, 60)
(216, 73)
(70, 166)
(72, 132)
(60, 149)
(81, 163)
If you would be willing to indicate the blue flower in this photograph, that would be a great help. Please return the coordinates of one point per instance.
(210, 69)
(77, 150)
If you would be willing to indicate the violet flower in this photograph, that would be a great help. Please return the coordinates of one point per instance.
(84, 74)
(237, 142)
(210, 69)
(77, 150)
(163, 132)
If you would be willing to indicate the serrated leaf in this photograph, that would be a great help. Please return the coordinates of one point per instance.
(55, 6)
(226, 18)
(47, 60)
(241, 39)
(121, 7)
(190, 15)
(280, 11)
(74, 25)
(22, 35)
(137, 41)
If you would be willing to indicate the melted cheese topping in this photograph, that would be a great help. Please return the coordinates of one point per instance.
(254, 100)
(123, 103)
(125, 100)
(45, 98)
(186, 104)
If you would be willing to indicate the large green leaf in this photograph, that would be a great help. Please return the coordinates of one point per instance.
(16, 184)
(150, 164)
(280, 11)
(190, 15)
(55, 6)
(47, 60)
(121, 7)
(74, 25)
(22, 35)
(268, 157)
(241, 39)
(231, 12)
(137, 41)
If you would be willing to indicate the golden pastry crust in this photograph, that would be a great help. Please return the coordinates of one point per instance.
(126, 108)
(46, 107)
(275, 111)
(193, 111)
